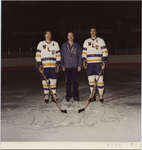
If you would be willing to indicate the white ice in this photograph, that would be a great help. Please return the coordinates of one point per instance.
(118, 119)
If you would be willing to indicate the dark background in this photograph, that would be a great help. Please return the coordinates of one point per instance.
(118, 23)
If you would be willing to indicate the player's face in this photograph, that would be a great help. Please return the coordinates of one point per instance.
(92, 32)
(48, 36)
(70, 36)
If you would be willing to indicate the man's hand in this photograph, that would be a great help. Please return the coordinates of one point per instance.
(63, 68)
(85, 64)
(78, 68)
(103, 66)
(57, 68)
(40, 69)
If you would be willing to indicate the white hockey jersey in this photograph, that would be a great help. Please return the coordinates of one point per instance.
(48, 54)
(94, 51)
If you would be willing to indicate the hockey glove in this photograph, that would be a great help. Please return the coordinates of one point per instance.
(103, 66)
(78, 68)
(85, 64)
(63, 68)
(57, 68)
(40, 69)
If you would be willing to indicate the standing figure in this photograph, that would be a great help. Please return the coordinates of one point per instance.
(94, 57)
(48, 60)
(71, 64)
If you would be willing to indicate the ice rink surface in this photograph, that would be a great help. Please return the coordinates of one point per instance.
(25, 117)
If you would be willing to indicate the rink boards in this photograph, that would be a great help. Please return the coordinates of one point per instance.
(29, 61)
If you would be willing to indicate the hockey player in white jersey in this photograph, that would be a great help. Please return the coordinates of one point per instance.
(48, 60)
(94, 56)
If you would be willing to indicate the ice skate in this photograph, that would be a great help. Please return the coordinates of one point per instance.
(46, 99)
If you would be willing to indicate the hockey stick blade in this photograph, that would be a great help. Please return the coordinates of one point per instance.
(64, 111)
(81, 110)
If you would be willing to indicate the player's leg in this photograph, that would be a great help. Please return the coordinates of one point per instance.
(91, 81)
(75, 84)
(53, 85)
(53, 81)
(45, 86)
(68, 83)
(91, 78)
(100, 83)
(46, 91)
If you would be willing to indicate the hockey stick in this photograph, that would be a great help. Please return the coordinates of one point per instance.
(91, 95)
(54, 97)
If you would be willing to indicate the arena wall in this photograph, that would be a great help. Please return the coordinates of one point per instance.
(29, 61)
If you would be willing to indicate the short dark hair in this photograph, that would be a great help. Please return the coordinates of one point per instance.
(70, 32)
(93, 28)
(47, 31)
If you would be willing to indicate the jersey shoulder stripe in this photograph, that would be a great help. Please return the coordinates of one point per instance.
(55, 42)
(100, 39)
(88, 39)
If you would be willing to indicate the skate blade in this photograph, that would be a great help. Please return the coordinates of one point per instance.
(64, 111)
(81, 110)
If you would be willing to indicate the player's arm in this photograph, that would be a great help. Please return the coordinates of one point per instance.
(84, 55)
(58, 57)
(104, 53)
(38, 57)
(62, 58)
(79, 57)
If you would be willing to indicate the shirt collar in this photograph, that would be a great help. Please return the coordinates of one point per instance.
(47, 42)
(70, 45)
(93, 39)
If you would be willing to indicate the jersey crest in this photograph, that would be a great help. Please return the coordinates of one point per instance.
(95, 46)
(44, 46)
(74, 51)
(89, 43)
